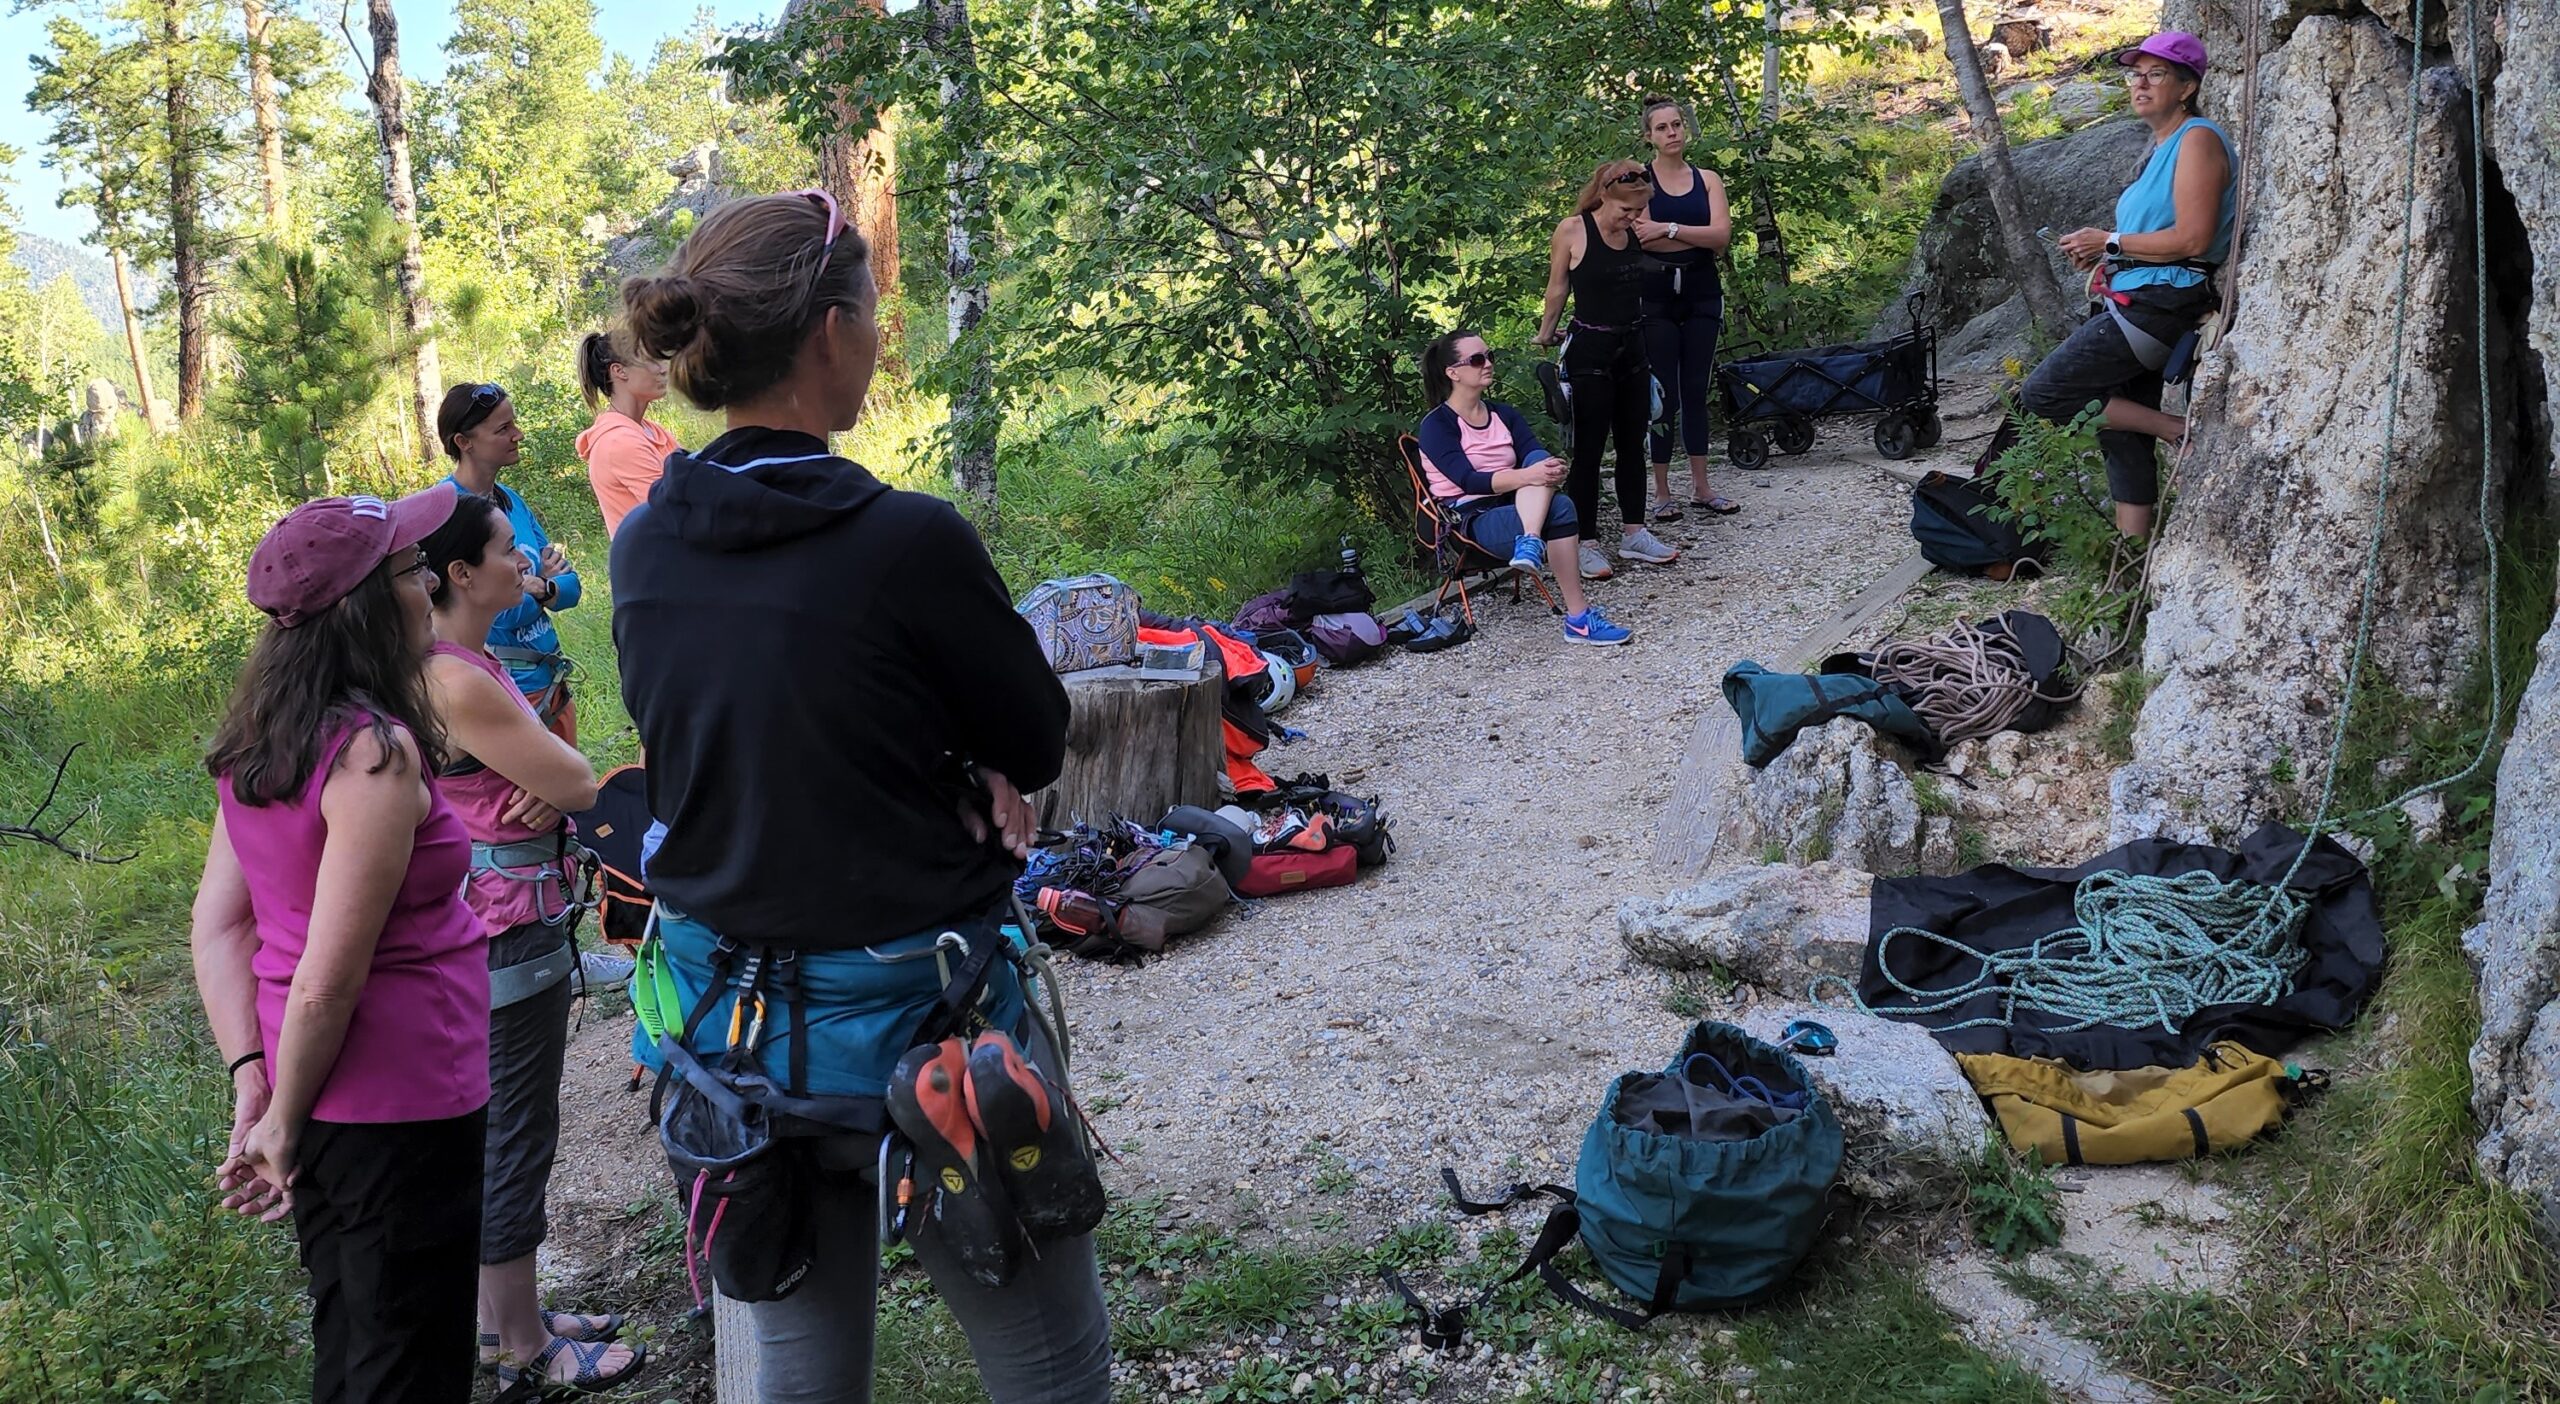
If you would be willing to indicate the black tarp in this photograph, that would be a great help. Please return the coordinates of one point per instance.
(1999, 908)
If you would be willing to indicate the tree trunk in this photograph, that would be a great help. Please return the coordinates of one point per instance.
(1773, 16)
(863, 176)
(974, 416)
(269, 115)
(1136, 747)
(400, 192)
(186, 252)
(2027, 263)
(133, 341)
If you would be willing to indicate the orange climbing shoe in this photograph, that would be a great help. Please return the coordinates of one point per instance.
(1034, 1138)
(961, 1206)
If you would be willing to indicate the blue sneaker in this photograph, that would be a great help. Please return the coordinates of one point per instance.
(1593, 627)
(1528, 554)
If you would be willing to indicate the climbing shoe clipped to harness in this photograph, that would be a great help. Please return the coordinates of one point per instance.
(1032, 1134)
(950, 1184)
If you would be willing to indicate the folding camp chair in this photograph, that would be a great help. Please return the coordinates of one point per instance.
(1452, 551)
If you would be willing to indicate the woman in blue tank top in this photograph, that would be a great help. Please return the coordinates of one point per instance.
(1686, 225)
(2151, 276)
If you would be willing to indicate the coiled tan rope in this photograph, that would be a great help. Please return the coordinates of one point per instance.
(1964, 682)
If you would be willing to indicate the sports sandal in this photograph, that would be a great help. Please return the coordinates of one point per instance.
(563, 1325)
(1721, 505)
(1664, 510)
(971, 1215)
(1036, 1139)
(534, 1381)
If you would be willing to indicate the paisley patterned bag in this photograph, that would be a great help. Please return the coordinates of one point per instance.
(1090, 621)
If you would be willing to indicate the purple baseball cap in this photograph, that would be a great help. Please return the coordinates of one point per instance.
(325, 548)
(2175, 45)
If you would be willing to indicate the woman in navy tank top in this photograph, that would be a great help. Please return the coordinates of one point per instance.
(1687, 224)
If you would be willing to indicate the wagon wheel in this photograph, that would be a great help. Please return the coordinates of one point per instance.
(1896, 436)
(1931, 431)
(1746, 449)
(1794, 434)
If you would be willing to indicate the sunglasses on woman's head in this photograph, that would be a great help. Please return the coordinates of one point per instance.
(484, 402)
(1638, 176)
(836, 224)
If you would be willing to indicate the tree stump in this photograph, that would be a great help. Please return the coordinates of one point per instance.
(1136, 747)
(2020, 34)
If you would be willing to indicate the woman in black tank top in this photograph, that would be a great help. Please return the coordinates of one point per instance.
(1684, 304)
(1596, 255)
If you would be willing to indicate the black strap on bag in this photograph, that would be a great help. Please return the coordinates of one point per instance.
(1445, 1328)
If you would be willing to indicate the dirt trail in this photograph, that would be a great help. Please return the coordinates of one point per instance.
(1462, 1005)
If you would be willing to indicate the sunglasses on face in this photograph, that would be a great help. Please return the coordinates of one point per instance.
(1481, 360)
(484, 402)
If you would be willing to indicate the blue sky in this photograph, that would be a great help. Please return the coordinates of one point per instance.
(631, 27)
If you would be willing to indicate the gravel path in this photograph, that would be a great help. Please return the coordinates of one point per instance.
(1465, 1004)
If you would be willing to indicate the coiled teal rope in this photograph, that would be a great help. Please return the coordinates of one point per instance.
(2147, 950)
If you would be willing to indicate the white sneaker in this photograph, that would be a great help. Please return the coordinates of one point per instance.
(602, 971)
(1595, 563)
(1646, 548)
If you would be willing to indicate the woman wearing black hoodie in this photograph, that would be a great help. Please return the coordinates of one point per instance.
(841, 712)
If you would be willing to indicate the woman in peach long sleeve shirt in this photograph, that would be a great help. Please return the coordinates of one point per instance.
(624, 452)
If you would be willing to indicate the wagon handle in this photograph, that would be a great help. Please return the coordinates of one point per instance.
(1913, 303)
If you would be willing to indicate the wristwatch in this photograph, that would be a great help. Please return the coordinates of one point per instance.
(1674, 234)
(2115, 246)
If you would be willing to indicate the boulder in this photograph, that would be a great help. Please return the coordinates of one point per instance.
(1779, 927)
(702, 182)
(1911, 1125)
(2081, 102)
(2515, 1064)
(1839, 791)
(2067, 182)
(2252, 629)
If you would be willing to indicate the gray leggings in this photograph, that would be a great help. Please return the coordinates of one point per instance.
(1043, 1338)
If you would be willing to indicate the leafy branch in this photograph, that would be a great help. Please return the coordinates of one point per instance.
(34, 831)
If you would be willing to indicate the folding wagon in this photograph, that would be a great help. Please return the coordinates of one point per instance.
(1773, 397)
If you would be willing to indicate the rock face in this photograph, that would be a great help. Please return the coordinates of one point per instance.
(1779, 927)
(702, 182)
(2515, 1065)
(2258, 569)
(1911, 1123)
(1839, 791)
(2067, 182)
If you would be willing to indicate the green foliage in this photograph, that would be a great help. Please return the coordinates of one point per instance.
(312, 330)
(2015, 1205)
(2053, 485)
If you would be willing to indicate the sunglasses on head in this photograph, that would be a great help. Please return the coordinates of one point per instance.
(836, 225)
(484, 402)
(1638, 176)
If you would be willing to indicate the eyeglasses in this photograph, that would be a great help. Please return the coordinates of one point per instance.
(1638, 176)
(836, 225)
(2149, 76)
(484, 402)
(414, 566)
(1482, 360)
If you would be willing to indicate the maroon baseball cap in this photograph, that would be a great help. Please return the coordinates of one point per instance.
(325, 548)
(2175, 45)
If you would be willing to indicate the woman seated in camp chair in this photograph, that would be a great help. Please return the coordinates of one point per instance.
(1480, 460)
(2152, 275)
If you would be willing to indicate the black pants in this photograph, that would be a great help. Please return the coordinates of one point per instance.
(1680, 329)
(2095, 364)
(1612, 398)
(528, 1047)
(388, 1215)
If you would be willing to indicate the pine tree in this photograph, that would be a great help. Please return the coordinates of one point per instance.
(311, 329)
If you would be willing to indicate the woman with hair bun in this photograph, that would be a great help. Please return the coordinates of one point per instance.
(1687, 224)
(852, 828)
(623, 451)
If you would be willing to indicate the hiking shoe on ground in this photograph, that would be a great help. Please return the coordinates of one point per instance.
(601, 972)
(1528, 554)
(1646, 548)
(966, 1208)
(1034, 1139)
(1593, 627)
(1595, 563)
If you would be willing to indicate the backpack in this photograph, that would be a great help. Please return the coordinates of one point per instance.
(1347, 639)
(612, 831)
(1089, 621)
(1172, 892)
(1331, 592)
(1273, 609)
(1680, 1222)
(1293, 870)
(2229, 1098)
(1955, 532)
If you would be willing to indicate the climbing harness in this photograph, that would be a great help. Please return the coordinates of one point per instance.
(1964, 681)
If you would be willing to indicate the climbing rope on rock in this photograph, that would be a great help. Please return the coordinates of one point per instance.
(2146, 951)
(1964, 681)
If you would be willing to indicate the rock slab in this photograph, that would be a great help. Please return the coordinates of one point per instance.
(1910, 1122)
(1840, 792)
(2515, 1064)
(1779, 927)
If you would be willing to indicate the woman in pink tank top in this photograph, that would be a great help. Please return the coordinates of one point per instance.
(340, 970)
(511, 779)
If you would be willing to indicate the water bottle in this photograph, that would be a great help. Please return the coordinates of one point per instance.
(1350, 557)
